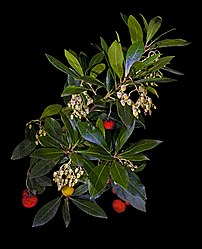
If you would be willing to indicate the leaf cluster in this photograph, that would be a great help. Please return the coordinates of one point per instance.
(117, 83)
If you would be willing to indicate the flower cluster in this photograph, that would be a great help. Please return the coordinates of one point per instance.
(81, 146)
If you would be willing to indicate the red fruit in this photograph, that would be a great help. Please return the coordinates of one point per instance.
(108, 124)
(29, 201)
(113, 191)
(127, 203)
(119, 206)
(25, 192)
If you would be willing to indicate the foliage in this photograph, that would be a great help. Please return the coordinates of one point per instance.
(69, 145)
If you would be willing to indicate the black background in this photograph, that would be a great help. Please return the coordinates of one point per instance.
(33, 28)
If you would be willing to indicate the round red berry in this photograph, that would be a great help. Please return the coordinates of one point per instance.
(29, 201)
(108, 124)
(119, 206)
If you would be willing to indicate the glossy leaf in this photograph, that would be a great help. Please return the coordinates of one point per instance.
(125, 114)
(161, 63)
(135, 30)
(42, 167)
(98, 178)
(125, 18)
(83, 162)
(66, 212)
(153, 27)
(69, 129)
(46, 212)
(134, 157)
(96, 59)
(169, 43)
(47, 153)
(123, 136)
(96, 153)
(119, 174)
(23, 149)
(91, 80)
(97, 69)
(80, 190)
(53, 129)
(157, 80)
(48, 142)
(44, 181)
(104, 45)
(89, 207)
(74, 62)
(134, 53)
(141, 146)
(34, 185)
(59, 65)
(92, 134)
(69, 90)
(116, 58)
(51, 110)
(100, 126)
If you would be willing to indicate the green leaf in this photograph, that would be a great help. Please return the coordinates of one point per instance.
(47, 153)
(135, 193)
(116, 58)
(53, 129)
(140, 146)
(23, 149)
(34, 185)
(125, 114)
(69, 90)
(169, 43)
(98, 178)
(51, 110)
(83, 188)
(72, 132)
(92, 134)
(74, 62)
(135, 30)
(43, 167)
(83, 162)
(48, 142)
(89, 207)
(44, 181)
(97, 69)
(66, 212)
(171, 70)
(119, 174)
(125, 18)
(97, 153)
(136, 157)
(134, 53)
(97, 58)
(59, 65)
(123, 136)
(46, 212)
(100, 126)
(104, 45)
(161, 63)
(69, 128)
(91, 80)
(153, 27)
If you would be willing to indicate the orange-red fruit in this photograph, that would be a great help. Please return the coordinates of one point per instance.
(113, 191)
(119, 206)
(29, 201)
(127, 203)
(108, 124)
(25, 192)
